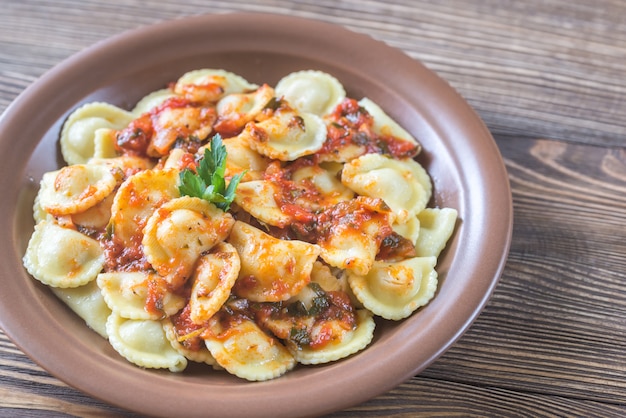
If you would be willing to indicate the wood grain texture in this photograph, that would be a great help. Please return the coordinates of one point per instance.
(548, 79)
(543, 69)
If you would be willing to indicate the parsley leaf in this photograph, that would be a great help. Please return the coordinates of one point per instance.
(208, 181)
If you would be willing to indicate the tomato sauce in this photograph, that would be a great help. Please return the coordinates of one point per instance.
(395, 247)
(136, 138)
(351, 124)
(188, 332)
(123, 257)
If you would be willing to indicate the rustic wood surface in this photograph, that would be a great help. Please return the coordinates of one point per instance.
(549, 79)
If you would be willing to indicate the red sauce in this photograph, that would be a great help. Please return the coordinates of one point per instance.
(202, 92)
(121, 257)
(157, 289)
(290, 193)
(395, 247)
(322, 337)
(245, 285)
(188, 161)
(353, 214)
(227, 128)
(223, 324)
(184, 326)
(350, 124)
(135, 138)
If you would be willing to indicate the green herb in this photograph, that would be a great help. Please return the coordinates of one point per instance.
(273, 104)
(208, 182)
(296, 309)
(300, 336)
(320, 302)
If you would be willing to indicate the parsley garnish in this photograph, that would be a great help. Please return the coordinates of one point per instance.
(208, 182)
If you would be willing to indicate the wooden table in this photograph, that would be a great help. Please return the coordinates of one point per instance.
(549, 79)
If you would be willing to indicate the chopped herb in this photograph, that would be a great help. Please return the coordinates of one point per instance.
(273, 104)
(300, 336)
(320, 302)
(208, 182)
(297, 309)
(299, 122)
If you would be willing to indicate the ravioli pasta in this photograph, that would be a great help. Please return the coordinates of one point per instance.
(331, 225)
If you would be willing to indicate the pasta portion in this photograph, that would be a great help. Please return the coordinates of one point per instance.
(137, 199)
(257, 198)
(384, 125)
(178, 232)
(187, 345)
(403, 184)
(75, 188)
(213, 280)
(62, 257)
(311, 91)
(395, 290)
(436, 227)
(152, 100)
(210, 85)
(88, 303)
(79, 131)
(285, 134)
(240, 346)
(243, 226)
(144, 343)
(353, 233)
(271, 269)
(126, 293)
(344, 343)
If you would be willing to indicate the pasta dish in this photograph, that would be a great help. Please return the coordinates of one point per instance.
(249, 227)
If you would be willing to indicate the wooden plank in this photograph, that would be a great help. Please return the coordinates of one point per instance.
(549, 69)
(556, 322)
(31, 392)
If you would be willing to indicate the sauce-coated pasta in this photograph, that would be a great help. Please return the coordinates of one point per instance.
(245, 226)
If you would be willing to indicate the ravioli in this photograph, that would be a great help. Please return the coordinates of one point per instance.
(152, 100)
(395, 290)
(179, 231)
(75, 188)
(77, 136)
(271, 269)
(257, 198)
(127, 293)
(311, 91)
(326, 187)
(385, 125)
(214, 277)
(62, 257)
(436, 227)
(281, 246)
(137, 198)
(235, 110)
(246, 351)
(211, 84)
(286, 135)
(404, 185)
(144, 343)
(87, 302)
(198, 355)
(346, 343)
(241, 158)
(355, 231)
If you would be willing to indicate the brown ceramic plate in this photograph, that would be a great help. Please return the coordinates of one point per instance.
(459, 153)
